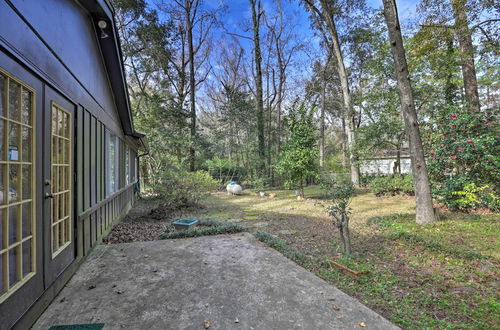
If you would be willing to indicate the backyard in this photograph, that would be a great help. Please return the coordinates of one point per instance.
(443, 275)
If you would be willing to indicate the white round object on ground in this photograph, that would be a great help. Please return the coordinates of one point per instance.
(234, 188)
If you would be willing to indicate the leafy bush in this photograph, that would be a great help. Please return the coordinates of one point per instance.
(179, 189)
(297, 160)
(463, 151)
(392, 185)
(472, 197)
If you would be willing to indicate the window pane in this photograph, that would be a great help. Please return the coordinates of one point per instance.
(27, 219)
(13, 220)
(26, 257)
(12, 266)
(13, 142)
(13, 182)
(3, 85)
(26, 152)
(26, 112)
(14, 104)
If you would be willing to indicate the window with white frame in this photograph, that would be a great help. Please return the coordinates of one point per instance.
(127, 165)
(112, 166)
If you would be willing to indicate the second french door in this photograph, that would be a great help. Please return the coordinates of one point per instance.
(59, 229)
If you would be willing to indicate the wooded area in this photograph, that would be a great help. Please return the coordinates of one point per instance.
(224, 93)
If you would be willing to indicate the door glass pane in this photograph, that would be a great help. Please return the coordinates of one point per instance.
(2, 125)
(27, 182)
(27, 217)
(60, 150)
(26, 108)
(13, 142)
(13, 225)
(3, 191)
(13, 266)
(26, 257)
(54, 238)
(54, 150)
(13, 182)
(2, 246)
(61, 123)
(2, 288)
(3, 85)
(14, 101)
(26, 152)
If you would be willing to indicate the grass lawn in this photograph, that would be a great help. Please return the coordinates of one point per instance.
(436, 276)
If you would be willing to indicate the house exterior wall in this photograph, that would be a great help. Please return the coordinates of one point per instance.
(52, 47)
(384, 166)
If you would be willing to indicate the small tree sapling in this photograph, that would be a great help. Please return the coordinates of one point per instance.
(340, 195)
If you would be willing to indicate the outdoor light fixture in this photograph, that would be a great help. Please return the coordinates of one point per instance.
(102, 25)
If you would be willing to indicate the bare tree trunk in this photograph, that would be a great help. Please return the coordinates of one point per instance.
(424, 210)
(344, 144)
(397, 164)
(322, 125)
(449, 87)
(467, 54)
(327, 15)
(192, 84)
(345, 235)
(256, 16)
(349, 113)
(301, 188)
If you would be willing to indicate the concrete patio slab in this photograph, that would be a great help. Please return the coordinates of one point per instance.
(230, 281)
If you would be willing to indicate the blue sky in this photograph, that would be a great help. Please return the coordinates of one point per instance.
(237, 17)
(238, 12)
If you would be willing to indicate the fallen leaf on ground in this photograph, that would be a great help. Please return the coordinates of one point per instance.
(207, 324)
(362, 324)
(335, 307)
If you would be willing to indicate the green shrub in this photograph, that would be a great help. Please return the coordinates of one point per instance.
(179, 189)
(472, 197)
(207, 228)
(392, 185)
(463, 154)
